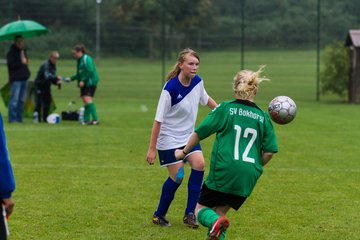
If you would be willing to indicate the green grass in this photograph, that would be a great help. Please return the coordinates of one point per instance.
(76, 182)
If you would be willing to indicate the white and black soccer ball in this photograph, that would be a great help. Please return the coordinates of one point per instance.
(282, 110)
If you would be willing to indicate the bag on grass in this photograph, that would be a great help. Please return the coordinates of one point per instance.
(70, 115)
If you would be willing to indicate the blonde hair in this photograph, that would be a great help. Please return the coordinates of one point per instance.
(246, 83)
(181, 58)
(54, 54)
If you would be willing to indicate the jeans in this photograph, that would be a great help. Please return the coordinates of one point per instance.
(17, 99)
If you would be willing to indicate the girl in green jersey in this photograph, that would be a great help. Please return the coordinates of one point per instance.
(245, 141)
(87, 78)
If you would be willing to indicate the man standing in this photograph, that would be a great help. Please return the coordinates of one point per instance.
(19, 73)
(45, 77)
(7, 183)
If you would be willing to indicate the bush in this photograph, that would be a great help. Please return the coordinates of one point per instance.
(335, 77)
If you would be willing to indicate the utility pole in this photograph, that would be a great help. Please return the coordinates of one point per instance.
(98, 2)
(242, 32)
(163, 40)
(318, 51)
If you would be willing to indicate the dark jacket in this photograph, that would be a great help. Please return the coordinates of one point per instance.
(46, 75)
(17, 70)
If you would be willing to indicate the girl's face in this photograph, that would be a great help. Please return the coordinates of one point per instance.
(190, 66)
(77, 54)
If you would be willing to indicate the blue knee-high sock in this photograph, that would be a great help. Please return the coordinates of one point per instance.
(167, 195)
(194, 188)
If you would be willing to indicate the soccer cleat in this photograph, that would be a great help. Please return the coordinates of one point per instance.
(93, 122)
(219, 226)
(85, 123)
(190, 220)
(161, 221)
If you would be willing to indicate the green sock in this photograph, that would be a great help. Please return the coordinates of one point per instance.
(87, 113)
(93, 111)
(223, 234)
(207, 217)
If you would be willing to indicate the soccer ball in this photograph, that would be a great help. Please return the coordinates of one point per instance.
(282, 110)
(53, 118)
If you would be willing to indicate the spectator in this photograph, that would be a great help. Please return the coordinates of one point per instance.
(19, 73)
(45, 77)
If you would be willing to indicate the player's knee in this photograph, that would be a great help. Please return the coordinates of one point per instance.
(199, 166)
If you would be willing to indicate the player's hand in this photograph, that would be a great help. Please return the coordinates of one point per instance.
(81, 84)
(58, 83)
(9, 205)
(151, 156)
(179, 154)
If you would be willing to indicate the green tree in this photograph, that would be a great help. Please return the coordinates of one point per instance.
(335, 77)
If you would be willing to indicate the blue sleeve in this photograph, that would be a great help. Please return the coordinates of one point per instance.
(7, 181)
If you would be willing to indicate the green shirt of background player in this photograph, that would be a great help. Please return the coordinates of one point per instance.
(245, 141)
(87, 78)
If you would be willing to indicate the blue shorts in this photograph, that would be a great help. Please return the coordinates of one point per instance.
(167, 157)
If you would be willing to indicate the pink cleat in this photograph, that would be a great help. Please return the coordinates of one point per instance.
(219, 226)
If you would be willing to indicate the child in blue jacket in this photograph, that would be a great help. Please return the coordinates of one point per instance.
(7, 183)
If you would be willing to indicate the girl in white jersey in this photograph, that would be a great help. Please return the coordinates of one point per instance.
(174, 122)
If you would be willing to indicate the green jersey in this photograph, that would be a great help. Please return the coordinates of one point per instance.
(243, 133)
(86, 71)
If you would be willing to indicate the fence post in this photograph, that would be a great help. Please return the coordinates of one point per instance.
(98, 2)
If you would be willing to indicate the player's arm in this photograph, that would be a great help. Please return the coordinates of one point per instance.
(193, 141)
(211, 103)
(266, 157)
(151, 155)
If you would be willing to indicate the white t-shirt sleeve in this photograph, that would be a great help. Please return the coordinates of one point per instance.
(204, 97)
(164, 106)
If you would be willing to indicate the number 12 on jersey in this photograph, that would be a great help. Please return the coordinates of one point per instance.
(251, 139)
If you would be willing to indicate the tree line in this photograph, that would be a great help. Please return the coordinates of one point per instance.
(144, 27)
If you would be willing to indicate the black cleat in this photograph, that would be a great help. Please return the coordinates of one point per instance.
(161, 221)
(190, 220)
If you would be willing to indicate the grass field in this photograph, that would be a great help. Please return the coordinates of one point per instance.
(85, 182)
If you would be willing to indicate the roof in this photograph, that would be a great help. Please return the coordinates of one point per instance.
(353, 38)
